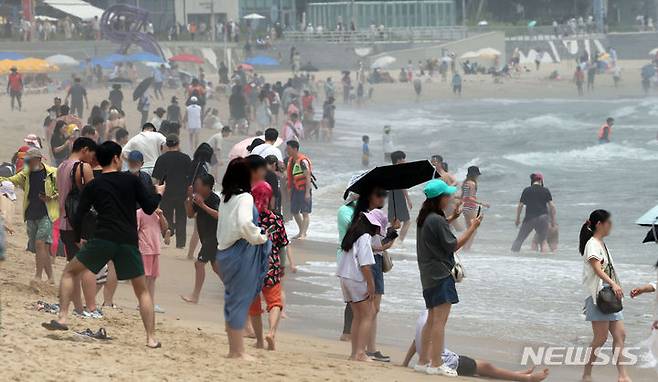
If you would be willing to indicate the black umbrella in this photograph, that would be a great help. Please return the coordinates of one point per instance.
(393, 177)
(141, 88)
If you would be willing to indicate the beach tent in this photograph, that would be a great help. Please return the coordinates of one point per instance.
(488, 53)
(254, 16)
(382, 62)
(76, 8)
(61, 60)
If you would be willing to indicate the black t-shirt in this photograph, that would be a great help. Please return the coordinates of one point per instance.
(56, 141)
(77, 93)
(173, 113)
(36, 208)
(174, 168)
(114, 196)
(273, 180)
(116, 98)
(536, 198)
(206, 224)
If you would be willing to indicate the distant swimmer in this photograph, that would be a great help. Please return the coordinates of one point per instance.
(606, 130)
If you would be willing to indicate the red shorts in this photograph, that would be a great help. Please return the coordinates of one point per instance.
(272, 299)
(151, 265)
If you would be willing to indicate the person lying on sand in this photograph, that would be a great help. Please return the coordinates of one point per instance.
(466, 366)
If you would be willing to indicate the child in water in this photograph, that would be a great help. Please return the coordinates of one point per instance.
(365, 157)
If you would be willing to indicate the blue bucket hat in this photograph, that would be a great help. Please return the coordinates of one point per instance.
(135, 156)
(437, 187)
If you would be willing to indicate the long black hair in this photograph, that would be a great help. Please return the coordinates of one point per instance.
(588, 229)
(429, 205)
(359, 226)
(237, 179)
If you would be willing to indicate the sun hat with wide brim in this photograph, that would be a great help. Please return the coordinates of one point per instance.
(436, 187)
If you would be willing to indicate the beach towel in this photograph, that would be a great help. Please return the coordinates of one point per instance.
(243, 267)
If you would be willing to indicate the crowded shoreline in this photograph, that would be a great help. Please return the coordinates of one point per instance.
(515, 89)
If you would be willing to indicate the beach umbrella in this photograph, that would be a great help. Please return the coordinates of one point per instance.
(469, 55)
(446, 59)
(187, 58)
(11, 56)
(488, 53)
(649, 218)
(262, 61)
(532, 24)
(144, 57)
(382, 62)
(239, 150)
(115, 58)
(648, 71)
(308, 67)
(653, 52)
(62, 60)
(253, 16)
(393, 177)
(246, 67)
(152, 64)
(142, 87)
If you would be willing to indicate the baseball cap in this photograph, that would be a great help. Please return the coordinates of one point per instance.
(437, 187)
(172, 140)
(536, 177)
(7, 189)
(135, 156)
(194, 99)
(33, 152)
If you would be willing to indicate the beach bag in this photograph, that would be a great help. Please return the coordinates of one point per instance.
(387, 263)
(606, 299)
(457, 271)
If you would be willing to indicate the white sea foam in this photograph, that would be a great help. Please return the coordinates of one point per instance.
(586, 157)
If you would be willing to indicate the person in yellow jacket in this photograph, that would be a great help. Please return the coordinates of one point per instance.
(40, 208)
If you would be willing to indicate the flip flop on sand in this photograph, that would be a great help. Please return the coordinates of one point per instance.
(158, 345)
(54, 325)
(101, 334)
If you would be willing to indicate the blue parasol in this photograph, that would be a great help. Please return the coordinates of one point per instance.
(11, 56)
(262, 61)
(144, 57)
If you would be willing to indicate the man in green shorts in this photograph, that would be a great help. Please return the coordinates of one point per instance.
(114, 195)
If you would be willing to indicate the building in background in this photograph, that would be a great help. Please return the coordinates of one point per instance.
(284, 12)
(333, 15)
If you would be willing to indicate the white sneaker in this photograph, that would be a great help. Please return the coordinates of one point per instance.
(441, 370)
(421, 368)
(158, 309)
(96, 314)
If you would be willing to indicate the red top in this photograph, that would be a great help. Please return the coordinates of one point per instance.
(15, 82)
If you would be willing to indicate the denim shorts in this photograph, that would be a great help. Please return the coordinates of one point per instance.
(378, 274)
(593, 313)
(443, 293)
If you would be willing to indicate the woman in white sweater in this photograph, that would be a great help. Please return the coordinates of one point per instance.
(242, 252)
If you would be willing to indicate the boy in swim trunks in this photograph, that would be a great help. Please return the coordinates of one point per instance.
(466, 366)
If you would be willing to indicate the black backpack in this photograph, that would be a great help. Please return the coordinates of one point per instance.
(72, 203)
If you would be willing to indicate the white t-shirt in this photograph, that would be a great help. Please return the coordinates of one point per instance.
(266, 150)
(594, 249)
(450, 358)
(149, 143)
(352, 261)
(387, 142)
(194, 116)
(217, 144)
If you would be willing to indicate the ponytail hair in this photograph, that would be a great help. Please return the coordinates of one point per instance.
(429, 206)
(588, 229)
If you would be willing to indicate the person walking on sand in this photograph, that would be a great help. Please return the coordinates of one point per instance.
(436, 247)
(193, 122)
(78, 94)
(242, 252)
(467, 366)
(399, 202)
(40, 208)
(300, 183)
(174, 168)
(599, 272)
(150, 228)
(606, 130)
(470, 203)
(114, 195)
(356, 280)
(579, 79)
(540, 213)
(72, 176)
(148, 142)
(272, 223)
(15, 88)
(202, 204)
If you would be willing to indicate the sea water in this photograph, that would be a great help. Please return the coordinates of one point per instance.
(524, 297)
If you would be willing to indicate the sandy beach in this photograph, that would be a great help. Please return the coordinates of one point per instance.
(194, 344)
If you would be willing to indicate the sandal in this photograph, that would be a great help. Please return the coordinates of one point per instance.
(158, 345)
(54, 325)
(101, 334)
